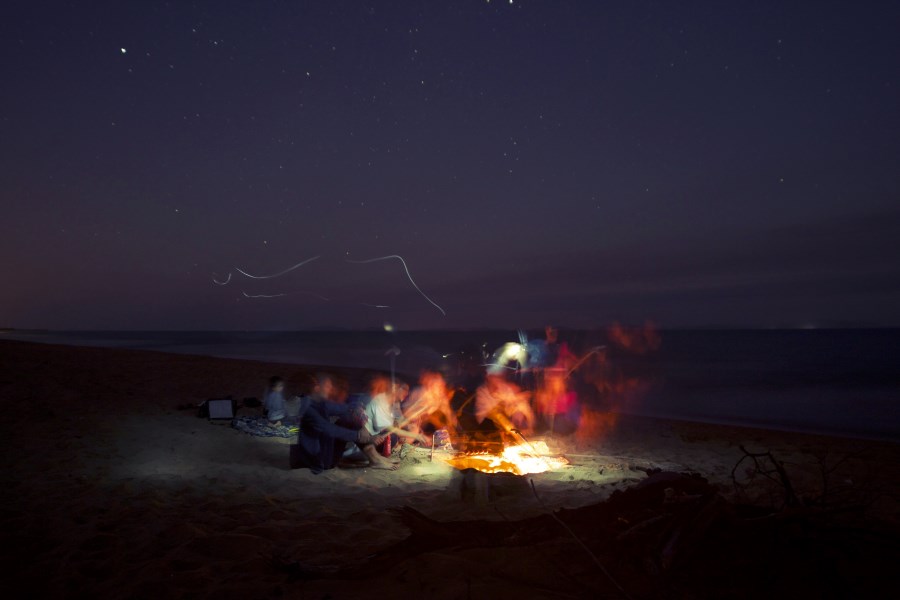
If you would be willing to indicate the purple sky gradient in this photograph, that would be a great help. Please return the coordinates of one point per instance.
(704, 164)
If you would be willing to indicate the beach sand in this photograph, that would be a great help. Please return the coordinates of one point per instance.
(113, 489)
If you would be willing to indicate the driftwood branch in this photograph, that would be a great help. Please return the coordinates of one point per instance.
(768, 466)
(580, 543)
(668, 533)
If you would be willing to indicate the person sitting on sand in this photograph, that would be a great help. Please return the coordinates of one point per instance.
(273, 402)
(320, 441)
(428, 407)
(502, 403)
(383, 411)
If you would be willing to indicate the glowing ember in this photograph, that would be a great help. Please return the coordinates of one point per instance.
(520, 459)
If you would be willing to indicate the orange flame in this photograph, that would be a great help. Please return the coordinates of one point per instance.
(520, 459)
(639, 340)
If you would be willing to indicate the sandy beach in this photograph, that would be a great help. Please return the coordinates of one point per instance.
(113, 487)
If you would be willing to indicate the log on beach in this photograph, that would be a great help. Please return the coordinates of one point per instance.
(672, 535)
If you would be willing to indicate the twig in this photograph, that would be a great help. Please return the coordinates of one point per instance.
(500, 513)
(642, 525)
(464, 404)
(577, 539)
(790, 497)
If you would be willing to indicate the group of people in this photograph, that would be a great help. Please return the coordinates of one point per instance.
(371, 426)
(327, 425)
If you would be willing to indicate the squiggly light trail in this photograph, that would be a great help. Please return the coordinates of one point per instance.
(405, 268)
(221, 282)
(288, 270)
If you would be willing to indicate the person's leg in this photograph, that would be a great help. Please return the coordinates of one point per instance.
(376, 461)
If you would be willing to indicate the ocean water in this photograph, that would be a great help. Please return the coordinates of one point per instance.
(844, 382)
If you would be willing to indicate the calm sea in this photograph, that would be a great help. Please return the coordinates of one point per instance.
(844, 382)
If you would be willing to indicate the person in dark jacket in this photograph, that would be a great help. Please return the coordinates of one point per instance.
(325, 428)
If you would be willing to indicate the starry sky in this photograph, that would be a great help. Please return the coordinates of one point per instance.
(240, 165)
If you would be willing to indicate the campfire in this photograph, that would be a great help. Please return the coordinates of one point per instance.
(519, 459)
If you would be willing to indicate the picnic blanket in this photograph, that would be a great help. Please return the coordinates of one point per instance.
(260, 426)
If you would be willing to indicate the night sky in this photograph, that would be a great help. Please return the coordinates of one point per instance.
(698, 164)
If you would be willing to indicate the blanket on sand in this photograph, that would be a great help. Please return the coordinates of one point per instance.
(260, 426)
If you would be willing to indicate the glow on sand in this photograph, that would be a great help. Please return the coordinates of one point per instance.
(520, 459)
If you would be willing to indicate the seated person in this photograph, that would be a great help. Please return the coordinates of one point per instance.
(273, 403)
(321, 442)
(502, 403)
(382, 414)
(428, 407)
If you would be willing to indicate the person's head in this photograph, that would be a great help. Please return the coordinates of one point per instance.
(276, 383)
(433, 382)
(551, 333)
(379, 384)
(401, 391)
(494, 380)
(324, 385)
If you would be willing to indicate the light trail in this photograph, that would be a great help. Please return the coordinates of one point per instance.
(405, 268)
(319, 296)
(246, 295)
(221, 282)
(288, 270)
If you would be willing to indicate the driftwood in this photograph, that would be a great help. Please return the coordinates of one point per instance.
(594, 523)
(766, 465)
(671, 535)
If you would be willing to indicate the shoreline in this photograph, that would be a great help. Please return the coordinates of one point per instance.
(783, 426)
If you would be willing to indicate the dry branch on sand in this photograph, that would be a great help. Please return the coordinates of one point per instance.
(670, 535)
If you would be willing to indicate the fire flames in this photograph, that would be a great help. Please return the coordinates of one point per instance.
(519, 459)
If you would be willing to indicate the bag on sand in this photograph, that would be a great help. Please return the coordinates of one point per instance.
(218, 408)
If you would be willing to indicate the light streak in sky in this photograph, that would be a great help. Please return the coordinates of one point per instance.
(300, 264)
(319, 296)
(288, 270)
(246, 295)
(222, 282)
(405, 268)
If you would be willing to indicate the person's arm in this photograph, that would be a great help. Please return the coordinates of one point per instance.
(484, 403)
(334, 409)
(411, 435)
(319, 423)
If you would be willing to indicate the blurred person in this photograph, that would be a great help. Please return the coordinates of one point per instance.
(273, 402)
(503, 403)
(556, 404)
(326, 427)
(428, 406)
(383, 415)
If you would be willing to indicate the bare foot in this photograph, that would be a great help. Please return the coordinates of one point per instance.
(384, 464)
